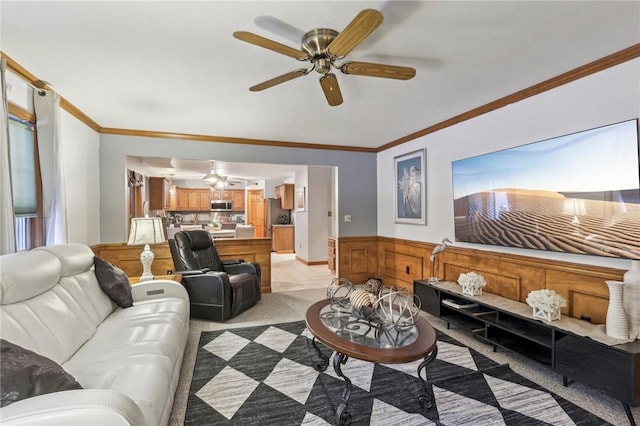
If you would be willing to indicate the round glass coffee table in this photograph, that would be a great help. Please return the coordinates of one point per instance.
(351, 334)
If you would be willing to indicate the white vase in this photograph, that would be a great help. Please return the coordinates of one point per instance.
(617, 325)
(631, 298)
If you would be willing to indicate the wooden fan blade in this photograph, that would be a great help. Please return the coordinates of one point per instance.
(358, 29)
(331, 90)
(378, 70)
(279, 79)
(270, 44)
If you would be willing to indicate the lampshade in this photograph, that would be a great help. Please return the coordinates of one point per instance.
(146, 230)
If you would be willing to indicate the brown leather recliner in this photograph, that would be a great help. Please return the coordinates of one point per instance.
(218, 290)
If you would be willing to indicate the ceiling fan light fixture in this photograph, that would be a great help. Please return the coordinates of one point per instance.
(211, 178)
(172, 186)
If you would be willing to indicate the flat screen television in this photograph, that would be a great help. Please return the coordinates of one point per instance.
(578, 193)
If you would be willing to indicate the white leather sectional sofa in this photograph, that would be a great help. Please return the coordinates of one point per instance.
(126, 360)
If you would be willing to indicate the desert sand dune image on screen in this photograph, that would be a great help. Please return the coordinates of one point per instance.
(547, 220)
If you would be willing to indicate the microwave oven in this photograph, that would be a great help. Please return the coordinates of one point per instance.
(220, 206)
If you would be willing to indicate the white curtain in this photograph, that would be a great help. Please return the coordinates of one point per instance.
(7, 220)
(47, 107)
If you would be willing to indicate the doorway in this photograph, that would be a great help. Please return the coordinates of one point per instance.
(289, 274)
(256, 215)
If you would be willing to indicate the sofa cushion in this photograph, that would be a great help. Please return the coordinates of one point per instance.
(21, 280)
(114, 282)
(137, 352)
(26, 374)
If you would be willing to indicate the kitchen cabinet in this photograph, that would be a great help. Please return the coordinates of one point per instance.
(193, 200)
(284, 193)
(182, 195)
(205, 200)
(190, 199)
(172, 205)
(283, 238)
(158, 193)
(198, 200)
(221, 194)
(237, 200)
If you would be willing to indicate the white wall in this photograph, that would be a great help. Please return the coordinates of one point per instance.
(610, 96)
(356, 175)
(313, 224)
(301, 219)
(318, 199)
(80, 147)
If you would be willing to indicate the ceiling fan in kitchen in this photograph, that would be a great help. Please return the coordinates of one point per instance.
(216, 180)
(323, 47)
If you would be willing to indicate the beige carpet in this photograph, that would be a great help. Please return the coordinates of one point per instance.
(292, 305)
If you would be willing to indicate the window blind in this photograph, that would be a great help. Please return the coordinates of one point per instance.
(23, 170)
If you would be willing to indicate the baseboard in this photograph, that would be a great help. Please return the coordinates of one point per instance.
(318, 262)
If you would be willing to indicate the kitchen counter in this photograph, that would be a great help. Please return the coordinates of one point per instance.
(223, 233)
(283, 238)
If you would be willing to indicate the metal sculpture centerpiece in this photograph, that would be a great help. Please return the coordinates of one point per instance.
(383, 317)
(377, 319)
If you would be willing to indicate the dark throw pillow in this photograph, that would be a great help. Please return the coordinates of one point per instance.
(26, 374)
(114, 282)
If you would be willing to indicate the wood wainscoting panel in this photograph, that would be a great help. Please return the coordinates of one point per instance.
(500, 284)
(581, 285)
(508, 275)
(505, 277)
(589, 306)
(250, 250)
(403, 269)
(357, 258)
(400, 262)
(584, 289)
(127, 257)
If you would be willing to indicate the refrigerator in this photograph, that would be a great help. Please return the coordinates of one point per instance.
(274, 213)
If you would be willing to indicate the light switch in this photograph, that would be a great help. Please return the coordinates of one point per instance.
(347, 218)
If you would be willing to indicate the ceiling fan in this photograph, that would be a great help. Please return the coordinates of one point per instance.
(322, 47)
(216, 180)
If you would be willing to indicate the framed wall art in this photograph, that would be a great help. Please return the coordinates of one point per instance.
(300, 201)
(410, 188)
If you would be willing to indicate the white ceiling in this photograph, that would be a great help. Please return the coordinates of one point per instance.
(187, 171)
(175, 66)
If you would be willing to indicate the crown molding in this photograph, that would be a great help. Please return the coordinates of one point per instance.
(225, 139)
(37, 83)
(598, 65)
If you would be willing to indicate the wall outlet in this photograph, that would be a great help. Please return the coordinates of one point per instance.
(347, 218)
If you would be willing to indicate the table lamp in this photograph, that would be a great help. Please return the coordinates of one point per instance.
(434, 254)
(146, 230)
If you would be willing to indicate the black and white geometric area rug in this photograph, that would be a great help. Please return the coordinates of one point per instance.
(264, 376)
